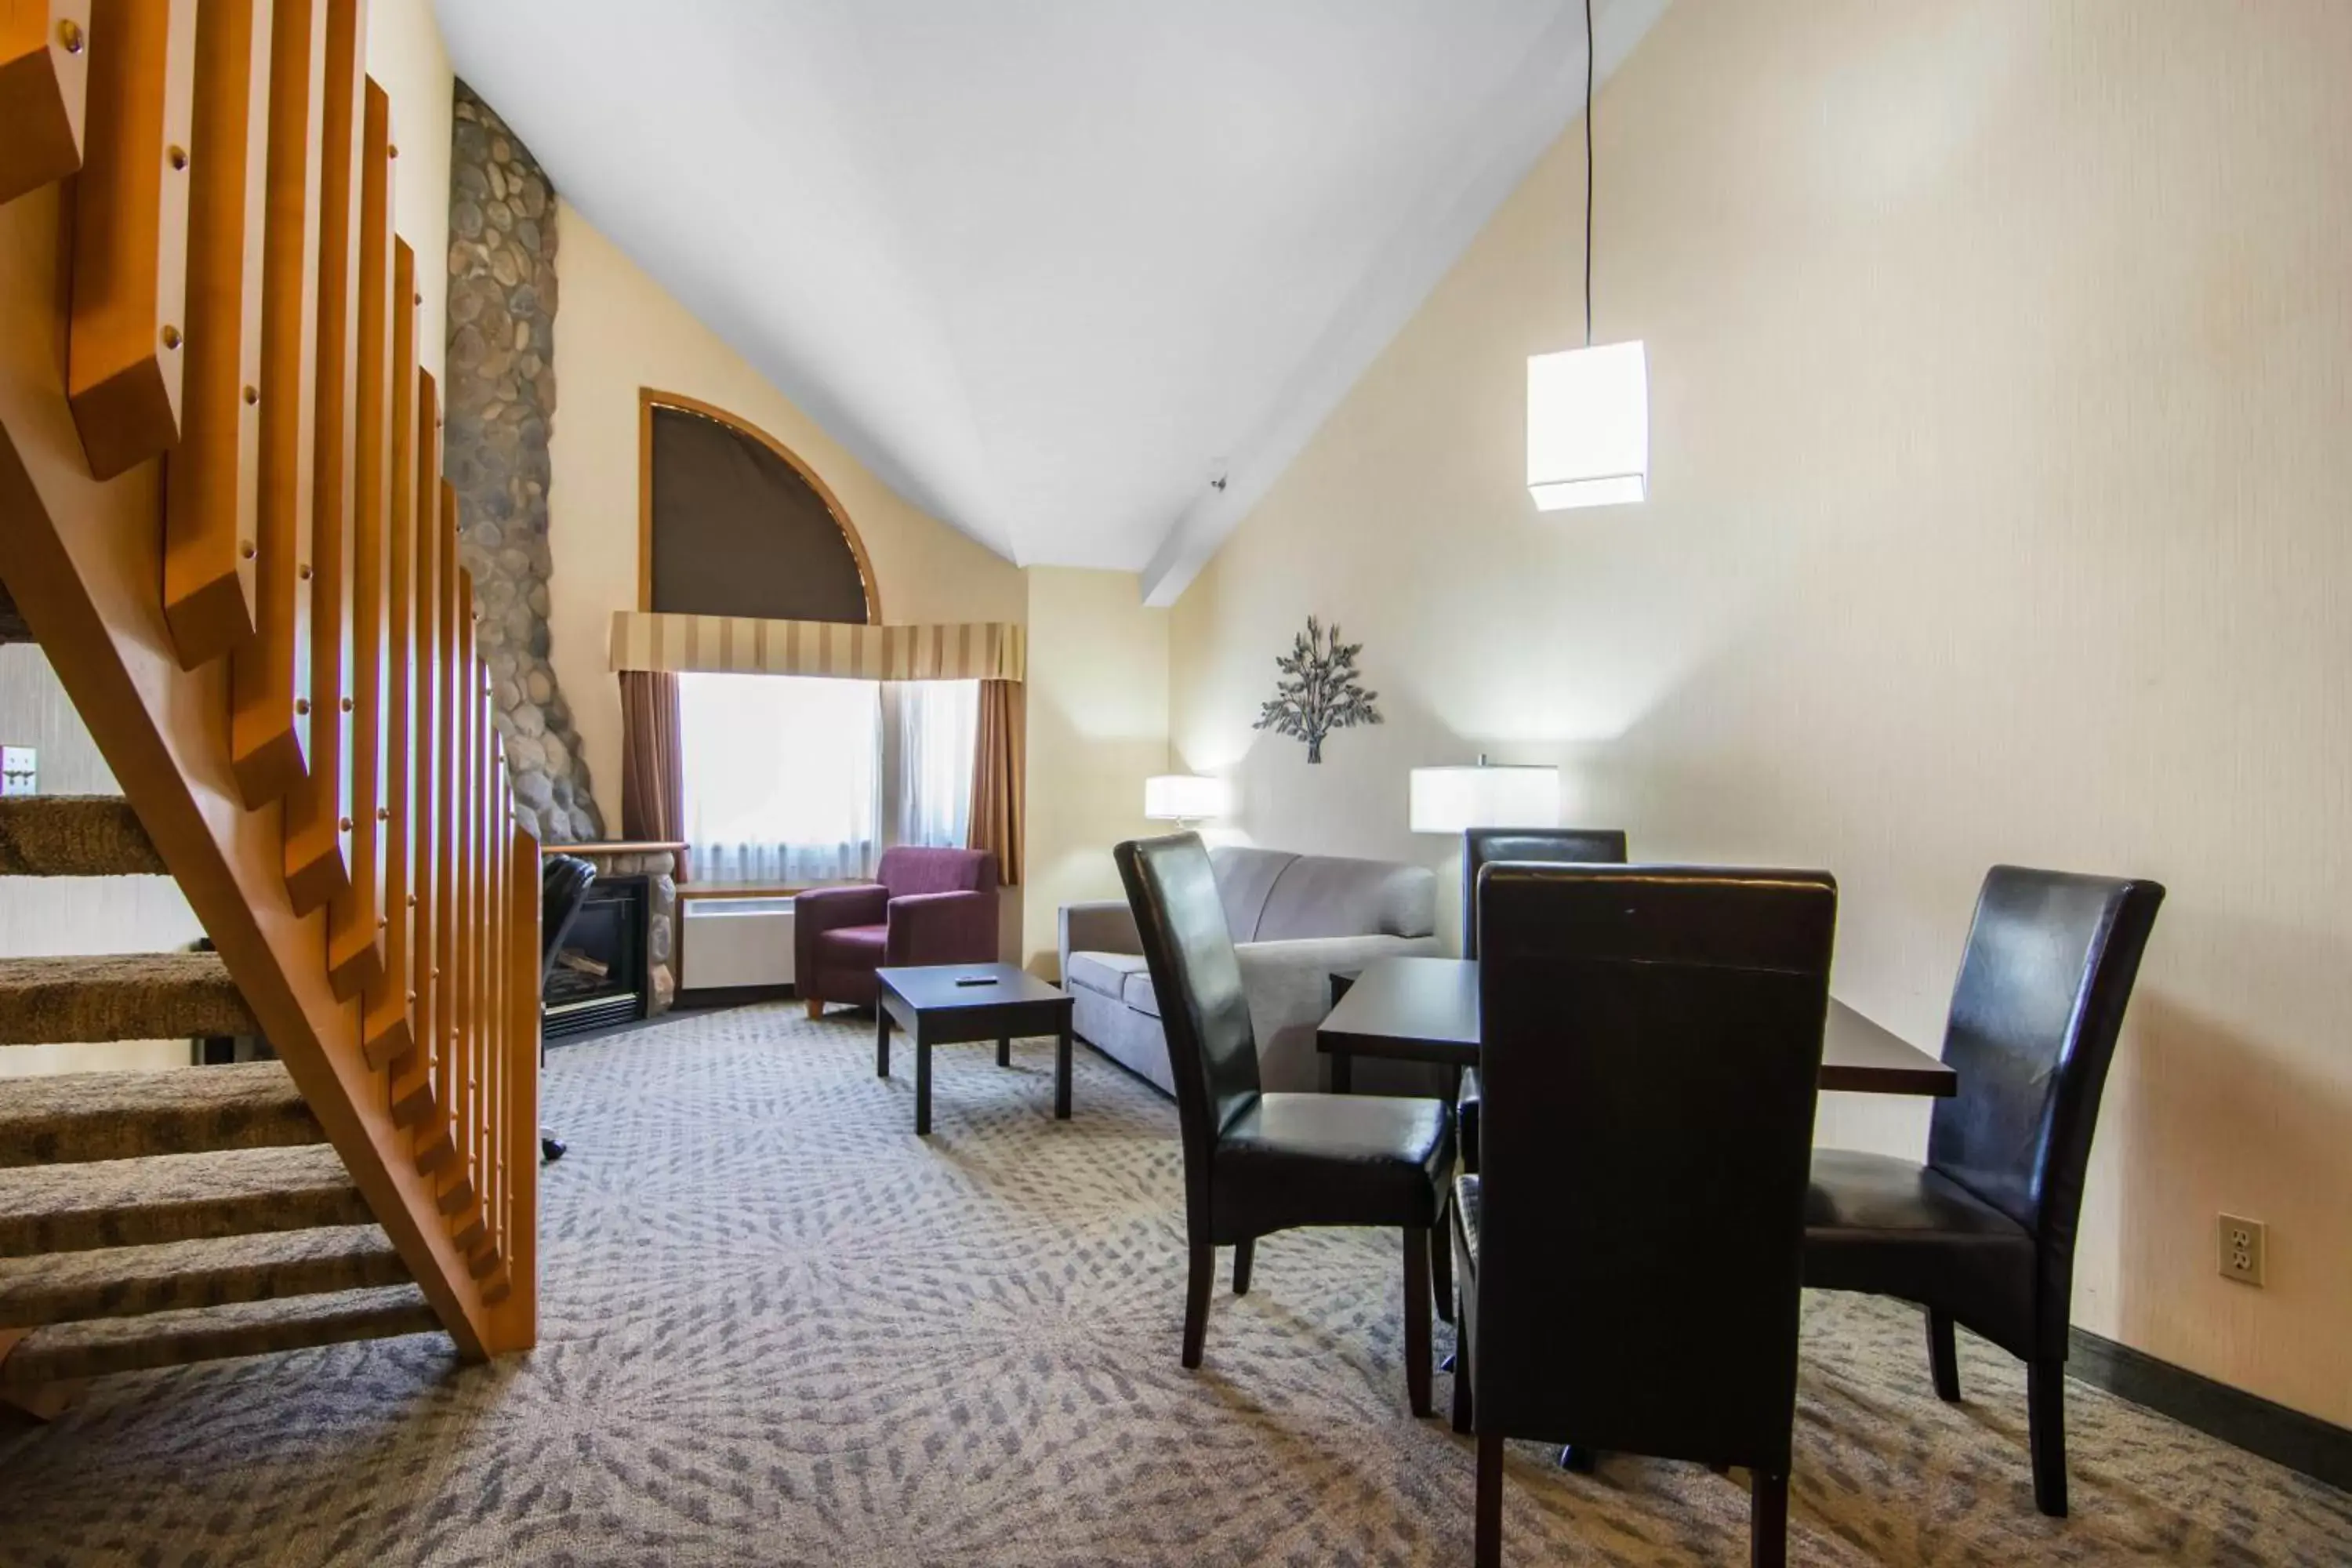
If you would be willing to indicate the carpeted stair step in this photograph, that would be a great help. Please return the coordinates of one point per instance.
(126, 1281)
(84, 1116)
(186, 1197)
(74, 835)
(120, 996)
(72, 1350)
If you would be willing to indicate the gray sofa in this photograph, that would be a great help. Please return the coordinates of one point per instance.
(1294, 920)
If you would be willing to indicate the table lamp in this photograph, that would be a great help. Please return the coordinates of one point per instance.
(1450, 799)
(1183, 798)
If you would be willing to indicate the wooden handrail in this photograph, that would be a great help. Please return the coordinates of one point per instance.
(267, 629)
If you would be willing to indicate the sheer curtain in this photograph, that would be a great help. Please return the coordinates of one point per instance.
(934, 727)
(782, 782)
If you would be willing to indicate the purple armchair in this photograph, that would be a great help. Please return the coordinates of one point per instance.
(928, 906)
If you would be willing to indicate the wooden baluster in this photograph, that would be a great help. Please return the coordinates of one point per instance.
(512, 1290)
(355, 921)
(476, 1236)
(385, 1033)
(494, 948)
(485, 947)
(269, 719)
(459, 1194)
(477, 1029)
(447, 786)
(44, 84)
(212, 478)
(130, 234)
(412, 1076)
(319, 814)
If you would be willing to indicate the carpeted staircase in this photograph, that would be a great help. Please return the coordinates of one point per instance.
(152, 1219)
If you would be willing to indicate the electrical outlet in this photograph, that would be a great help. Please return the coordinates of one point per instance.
(20, 772)
(2242, 1245)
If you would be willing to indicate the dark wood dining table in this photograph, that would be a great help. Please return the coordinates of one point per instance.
(1426, 1010)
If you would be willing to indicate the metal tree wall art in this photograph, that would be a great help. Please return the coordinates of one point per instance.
(1317, 691)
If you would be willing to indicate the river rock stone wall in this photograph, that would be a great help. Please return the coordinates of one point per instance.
(498, 398)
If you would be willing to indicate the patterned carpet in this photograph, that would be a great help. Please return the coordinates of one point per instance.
(779, 1329)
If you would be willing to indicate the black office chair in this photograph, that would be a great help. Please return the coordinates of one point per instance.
(1483, 846)
(562, 890)
(1630, 1254)
(1257, 1162)
(1983, 1234)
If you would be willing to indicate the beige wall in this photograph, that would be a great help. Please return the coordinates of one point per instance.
(77, 914)
(616, 331)
(2002, 441)
(1097, 703)
(406, 58)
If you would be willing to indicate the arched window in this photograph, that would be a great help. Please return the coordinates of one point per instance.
(732, 523)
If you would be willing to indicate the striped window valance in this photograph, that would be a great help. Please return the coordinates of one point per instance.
(979, 650)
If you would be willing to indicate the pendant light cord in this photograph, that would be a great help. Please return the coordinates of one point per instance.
(1587, 174)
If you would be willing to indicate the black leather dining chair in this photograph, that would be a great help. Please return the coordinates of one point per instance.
(1481, 848)
(563, 884)
(1983, 1234)
(1630, 1255)
(1256, 1163)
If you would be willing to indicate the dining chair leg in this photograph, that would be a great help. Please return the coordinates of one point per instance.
(1244, 1256)
(2045, 1402)
(1441, 1267)
(1198, 1283)
(1416, 1318)
(1489, 1511)
(1944, 1357)
(1464, 1412)
(1768, 1522)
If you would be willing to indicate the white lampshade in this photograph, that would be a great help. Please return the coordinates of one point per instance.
(1183, 797)
(1589, 426)
(1447, 800)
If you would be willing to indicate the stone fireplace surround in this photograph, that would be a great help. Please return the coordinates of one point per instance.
(658, 864)
(499, 397)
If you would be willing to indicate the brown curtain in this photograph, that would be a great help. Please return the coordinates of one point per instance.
(653, 771)
(997, 768)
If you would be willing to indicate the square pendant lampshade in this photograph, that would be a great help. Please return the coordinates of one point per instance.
(1589, 426)
(1447, 800)
(1183, 797)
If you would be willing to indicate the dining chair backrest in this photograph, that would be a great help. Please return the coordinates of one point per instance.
(1652, 1036)
(563, 884)
(1482, 847)
(2050, 961)
(1197, 979)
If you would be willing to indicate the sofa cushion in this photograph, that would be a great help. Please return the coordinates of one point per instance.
(1245, 877)
(1105, 973)
(1327, 895)
(855, 943)
(1139, 993)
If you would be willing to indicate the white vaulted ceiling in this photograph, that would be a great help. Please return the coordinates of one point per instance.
(1048, 266)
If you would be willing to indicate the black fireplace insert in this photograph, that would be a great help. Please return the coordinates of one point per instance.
(598, 978)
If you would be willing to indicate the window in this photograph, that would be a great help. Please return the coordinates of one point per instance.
(782, 778)
(934, 729)
(791, 780)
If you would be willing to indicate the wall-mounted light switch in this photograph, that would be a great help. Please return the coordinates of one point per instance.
(20, 771)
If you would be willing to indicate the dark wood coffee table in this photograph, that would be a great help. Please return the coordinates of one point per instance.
(928, 1003)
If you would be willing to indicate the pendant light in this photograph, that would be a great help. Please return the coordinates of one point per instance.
(1589, 408)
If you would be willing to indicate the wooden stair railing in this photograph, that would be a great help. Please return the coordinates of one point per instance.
(222, 515)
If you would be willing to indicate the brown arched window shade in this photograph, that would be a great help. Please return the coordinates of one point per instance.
(733, 524)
